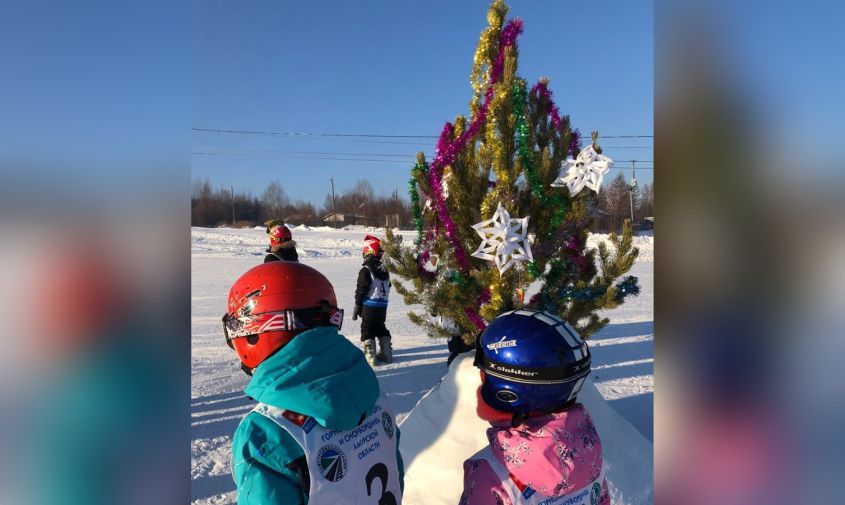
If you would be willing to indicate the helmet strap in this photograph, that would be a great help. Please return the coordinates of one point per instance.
(518, 418)
(247, 370)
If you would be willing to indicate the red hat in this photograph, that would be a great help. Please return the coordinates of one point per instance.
(372, 245)
(274, 302)
(279, 234)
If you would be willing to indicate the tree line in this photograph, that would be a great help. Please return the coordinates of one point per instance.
(613, 204)
(212, 207)
(223, 206)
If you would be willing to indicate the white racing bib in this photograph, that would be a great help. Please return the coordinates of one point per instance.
(587, 495)
(379, 291)
(356, 466)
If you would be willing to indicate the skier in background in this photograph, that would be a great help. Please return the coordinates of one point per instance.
(282, 246)
(322, 431)
(371, 295)
(543, 447)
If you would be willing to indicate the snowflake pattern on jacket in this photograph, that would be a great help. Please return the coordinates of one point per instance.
(554, 454)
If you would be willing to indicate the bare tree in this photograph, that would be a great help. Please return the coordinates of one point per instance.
(275, 199)
(646, 207)
(364, 190)
(615, 199)
(201, 189)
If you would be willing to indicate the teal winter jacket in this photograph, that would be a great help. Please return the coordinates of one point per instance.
(319, 374)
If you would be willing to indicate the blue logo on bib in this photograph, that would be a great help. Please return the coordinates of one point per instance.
(331, 462)
(595, 493)
(387, 424)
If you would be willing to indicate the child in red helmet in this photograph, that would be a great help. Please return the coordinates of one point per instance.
(322, 428)
(371, 295)
(282, 246)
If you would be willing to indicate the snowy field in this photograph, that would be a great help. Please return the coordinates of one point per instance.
(622, 352)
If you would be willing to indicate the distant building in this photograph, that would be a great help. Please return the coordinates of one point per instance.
(300, 219)
(341, 218)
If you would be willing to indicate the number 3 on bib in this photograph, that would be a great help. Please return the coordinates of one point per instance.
(379, 471)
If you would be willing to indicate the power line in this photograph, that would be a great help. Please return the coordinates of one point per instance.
(364, 135)
(214, 150)
(236, 151)
(370, 160)
(305, 134)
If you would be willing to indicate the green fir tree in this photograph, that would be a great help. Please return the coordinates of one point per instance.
(508, 152)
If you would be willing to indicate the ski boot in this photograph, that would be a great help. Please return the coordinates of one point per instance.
(370, 351)
(385, 350)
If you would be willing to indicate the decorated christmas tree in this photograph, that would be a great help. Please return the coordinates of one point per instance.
(502, 211)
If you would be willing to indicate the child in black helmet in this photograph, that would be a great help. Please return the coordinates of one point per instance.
(371, 294)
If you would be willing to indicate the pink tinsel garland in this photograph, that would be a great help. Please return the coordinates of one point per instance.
(448, 150)
(473, 316)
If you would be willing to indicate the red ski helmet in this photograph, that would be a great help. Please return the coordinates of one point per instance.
(372, 246)
(274, 302)
(279, 234)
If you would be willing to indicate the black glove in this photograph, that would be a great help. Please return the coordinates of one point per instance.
(356, 312)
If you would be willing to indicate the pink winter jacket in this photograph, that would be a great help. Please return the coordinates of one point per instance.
(554, 454)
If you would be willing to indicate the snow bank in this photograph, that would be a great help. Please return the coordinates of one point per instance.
(443, 430)
(327, 242)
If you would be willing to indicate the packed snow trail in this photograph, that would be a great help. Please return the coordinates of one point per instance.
(622, 352)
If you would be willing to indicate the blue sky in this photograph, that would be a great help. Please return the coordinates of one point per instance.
(398, 68)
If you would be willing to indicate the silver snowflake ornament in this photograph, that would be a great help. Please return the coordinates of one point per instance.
(503, 240)
(586, 170)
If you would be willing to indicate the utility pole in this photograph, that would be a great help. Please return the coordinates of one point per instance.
(232, 190)
(334, 203)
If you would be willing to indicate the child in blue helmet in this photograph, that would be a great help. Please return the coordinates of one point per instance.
(544, 448)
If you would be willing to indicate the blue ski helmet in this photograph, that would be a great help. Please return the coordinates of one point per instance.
(532, 361)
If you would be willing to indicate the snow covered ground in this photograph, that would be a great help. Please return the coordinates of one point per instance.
(622, 352)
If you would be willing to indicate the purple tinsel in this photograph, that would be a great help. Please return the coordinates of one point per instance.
(445, 156)
(507, 38)
(476, 319)
(573, 244)
(575, 143)
(575, 135)
(542, 88)
(447, 150)
(473, 316)
(421, 269)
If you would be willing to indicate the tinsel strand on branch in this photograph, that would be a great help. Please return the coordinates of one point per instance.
(418, 170)
(447, 149)
(542, 88)
(627, 287)
(473, 316)
(554, 200)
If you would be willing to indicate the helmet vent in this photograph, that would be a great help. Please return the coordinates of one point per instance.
(252, 339)
(506, 396)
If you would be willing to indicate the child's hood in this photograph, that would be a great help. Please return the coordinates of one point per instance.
(553, 454)
(319, 374)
